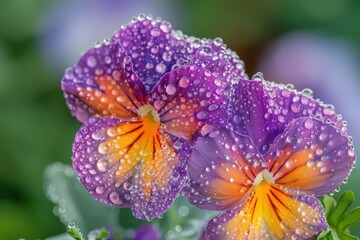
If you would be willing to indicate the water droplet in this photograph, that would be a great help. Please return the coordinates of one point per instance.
(167, 56)
(165, 27)
(213, 107)
(160, 68)
(96, 135)
(71, 225)
(258, 76)
(128, 186)
(158, 104)
(184, 82)
(351, 153)
(207, 129)
(99, 190)
(196, 43)
(107, 60)
(102, 165)
(201, 115)
(170, 89)
(329, 110)
(155, 32)
(178, 144)
(307, 92)
(319, 151)
(218, 41)
(309, 123)
(322, 136)
(183, 211)
(91, 61)
(114, 198)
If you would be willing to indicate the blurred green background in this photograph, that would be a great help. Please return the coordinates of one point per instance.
(309, 43)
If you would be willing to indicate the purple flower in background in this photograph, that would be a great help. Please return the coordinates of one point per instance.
(76, 25)
(144, 95)
(285, 149)
(146, 232)
(328, 65)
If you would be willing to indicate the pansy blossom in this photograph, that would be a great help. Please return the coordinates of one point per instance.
(285, 148)
(144, 96)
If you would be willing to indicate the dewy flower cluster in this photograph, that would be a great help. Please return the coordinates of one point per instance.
(164, 112)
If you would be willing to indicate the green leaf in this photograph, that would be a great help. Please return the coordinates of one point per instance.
(344, 202)
(75, 232)
(348, 236)
(329, 205)
(73, 202)
(324, 235)
(350, 219)
(64, 236)
(99, 234)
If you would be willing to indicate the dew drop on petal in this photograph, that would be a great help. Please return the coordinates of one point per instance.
(155, 32)
(351, 153)
(295, 107)
(165, 27)
(201, 115)
(170, 89)
(102, 165)
(91, 61)
(322, 136)
(167, 56)
(158, 104)
(114, 198)
(103, 148)
(213, 107)
(207, 129)
(160, 68)
(99, 190)
(178, 144)
(96, 135)
(128, 186)
(184, 82)
(307, 92)
(309, 123)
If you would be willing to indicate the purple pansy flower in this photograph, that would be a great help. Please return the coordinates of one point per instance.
(285, 149)
(144, 95)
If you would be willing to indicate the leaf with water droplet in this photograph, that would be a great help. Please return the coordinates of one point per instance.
(74, 231)
(73, 203)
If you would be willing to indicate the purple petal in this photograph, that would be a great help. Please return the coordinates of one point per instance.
(223, 63)
(271, 212)
(103, 83)
(146, 232)
(190, 102)
(261, 110)
(122, 163)
(222, 168)
(312, 156)
(154, 48)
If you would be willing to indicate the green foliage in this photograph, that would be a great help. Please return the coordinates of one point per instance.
(72, 201)
(184, 221)
(75, 232)
(339, 219)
